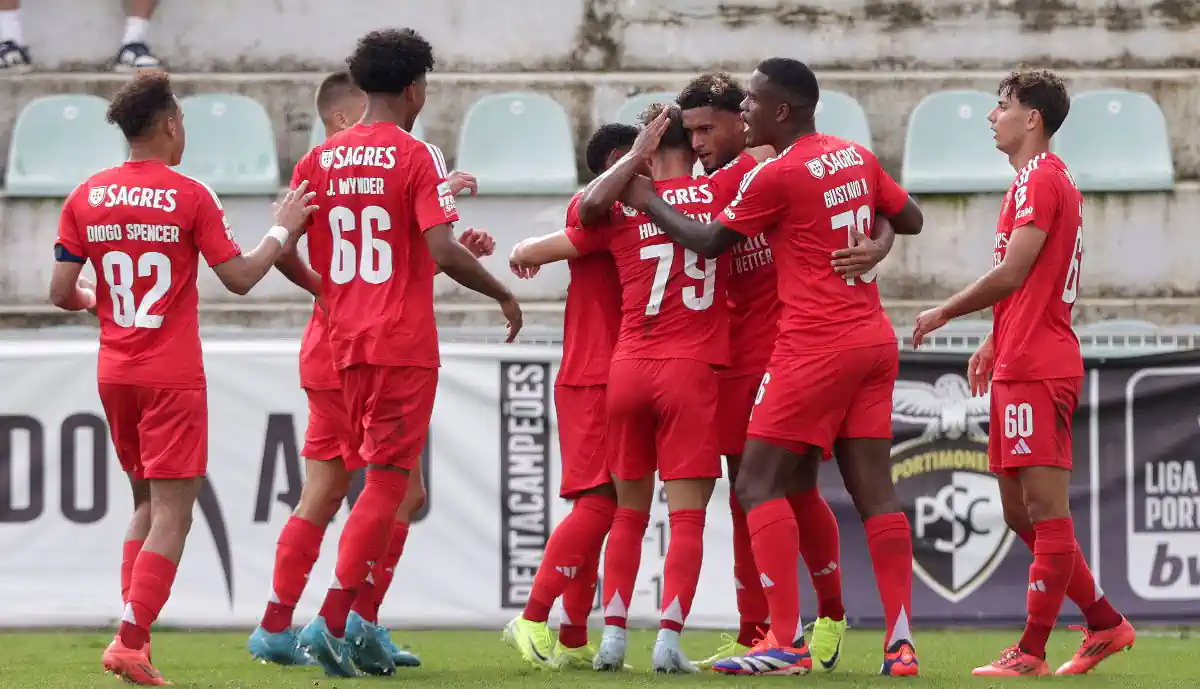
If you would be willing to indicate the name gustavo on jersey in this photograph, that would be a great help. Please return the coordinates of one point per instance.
(137, 197)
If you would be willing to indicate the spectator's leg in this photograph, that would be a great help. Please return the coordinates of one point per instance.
(135, 53)
(14, 58)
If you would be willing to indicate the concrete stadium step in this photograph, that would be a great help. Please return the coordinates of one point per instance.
(592, 98)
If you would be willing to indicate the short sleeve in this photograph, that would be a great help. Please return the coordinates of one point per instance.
(759, 203)
(433, 203)
(69, 239)
(572, 219)
(1037, 201)
(890, 197)
(301, 171)
(211, 231)
(589, 240)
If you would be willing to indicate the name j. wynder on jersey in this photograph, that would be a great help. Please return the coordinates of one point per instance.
(959, 534)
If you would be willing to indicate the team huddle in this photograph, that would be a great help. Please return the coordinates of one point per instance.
(731, 314)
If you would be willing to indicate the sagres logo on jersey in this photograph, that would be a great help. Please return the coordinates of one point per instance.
(959, 535)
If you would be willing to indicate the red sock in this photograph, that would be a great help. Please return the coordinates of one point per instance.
(149, 589)
(751, 601)
(775, 537)
(364, 542)
(681, 570)
(890, 542)
(1054, 552)
(1083, 592)
(577, 602)
(622, 557)
(820, 546)
(297, 551)
(574, 540)
(370, 595)
(129, 553)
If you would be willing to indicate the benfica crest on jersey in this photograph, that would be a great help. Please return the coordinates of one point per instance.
(959, 534)
(96, 195)
(816, 168)
(326, 159)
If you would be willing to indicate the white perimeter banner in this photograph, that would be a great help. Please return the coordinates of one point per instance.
(492, 477)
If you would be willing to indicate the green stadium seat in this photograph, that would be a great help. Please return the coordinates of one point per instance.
(318, 132)
(58, 142)
(840, 115)
(630, 110)
(518, 144)
(230, 144)
(949, 147)
(1116, 140)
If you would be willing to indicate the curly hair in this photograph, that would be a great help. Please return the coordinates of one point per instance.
(1041, 90)
(139, 103)
(390, 61)
(716, 90)
(675, 136)
(608, 138)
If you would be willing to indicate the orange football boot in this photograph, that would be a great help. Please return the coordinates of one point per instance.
(131, 665)
(1014, 663)
(1098, 645)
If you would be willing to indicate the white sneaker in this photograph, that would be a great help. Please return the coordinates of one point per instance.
(611, 655)
(134, 56)
(14, 59)
(668, 657)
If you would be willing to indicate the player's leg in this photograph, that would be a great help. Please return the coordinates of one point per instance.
(820, 548)
(395, 405)
(863, 452)
(1107, 631)
(572, 553)
(632, 463)
(370, 595)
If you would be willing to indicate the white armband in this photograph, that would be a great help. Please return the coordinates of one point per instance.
(280, 234)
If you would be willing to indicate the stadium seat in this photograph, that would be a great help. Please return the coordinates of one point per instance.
(59, 141)
(631, 108)
(840, 115)
(1116, 140)
(518, 144)
(230, 145)
(318, 132)
(949, 146)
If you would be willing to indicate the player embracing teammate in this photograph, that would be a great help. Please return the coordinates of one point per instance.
(1034, 366)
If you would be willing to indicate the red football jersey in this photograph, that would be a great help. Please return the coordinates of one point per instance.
(592, 316)
(142, 226)
(807, 200)
(1032, 327)
(753, 291)
(317, 371)
(379, 190)
(672, 300)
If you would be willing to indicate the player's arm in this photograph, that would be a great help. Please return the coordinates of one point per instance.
(707, 239)
(69, 291)
(535, 252)
(896, 213)
(297, 271)
(598, 197)
(240, 272)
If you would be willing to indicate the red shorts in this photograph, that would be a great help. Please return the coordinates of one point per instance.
(328, 435)
(662, 414)
(389, 408)
(735, 400)
(582, 438)
(814, 399)
(1031, 423)
(159, 433)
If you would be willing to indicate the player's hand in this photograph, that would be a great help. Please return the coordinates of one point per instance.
(462, 181)
(927, 322)
(478, 242)
(861, 258)
(979, 368)
(638, 192)
(647, 140)
(512, 313)
(88, 288)
(292, 212)
(519, 265)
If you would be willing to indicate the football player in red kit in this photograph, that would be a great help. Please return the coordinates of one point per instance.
(330, 459)
(829, 382)
(662, 389)
(143, 227)
(591, 321)
(1033, 363)
(712, 113)
(386, 225)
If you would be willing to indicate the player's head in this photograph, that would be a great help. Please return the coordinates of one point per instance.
(340, 103)
(1032, 103)
(392, 64)
(675, 138)
(711, 106)
(149, 115)
(781, 102)
(607, 145)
